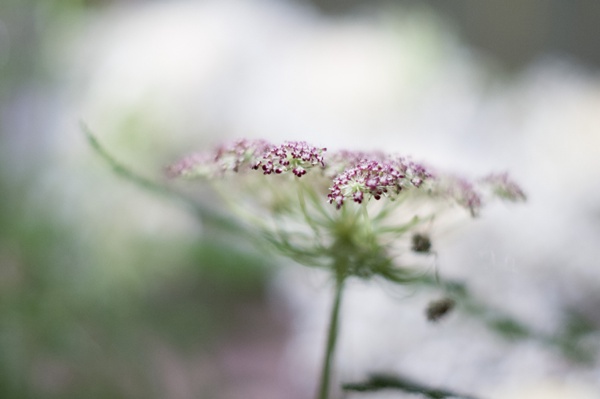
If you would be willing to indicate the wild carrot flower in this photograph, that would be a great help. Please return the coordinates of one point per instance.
(296, 156)
(318, 207)
(312, 224)
(376, 179)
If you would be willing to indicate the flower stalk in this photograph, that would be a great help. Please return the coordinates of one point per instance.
(332, 334)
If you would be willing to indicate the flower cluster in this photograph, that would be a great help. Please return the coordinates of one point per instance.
(240, 155)
(464, 192)
(227, 157)
(351, 176)
(376, 179)
(502, 186)
(341, 160)
(296, 156)
(474, 195)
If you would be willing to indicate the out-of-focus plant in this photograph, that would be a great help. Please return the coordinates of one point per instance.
(354, 214)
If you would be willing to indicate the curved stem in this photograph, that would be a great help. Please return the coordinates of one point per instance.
(206, 215)
(323, 392)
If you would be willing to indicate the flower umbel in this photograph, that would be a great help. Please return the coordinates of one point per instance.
(503, 187)
(376, 179)
(295, 216)
(296, 156)
(230, 157)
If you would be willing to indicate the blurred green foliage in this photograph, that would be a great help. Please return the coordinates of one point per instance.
(82, 314)
(58, 316)
(64, 332)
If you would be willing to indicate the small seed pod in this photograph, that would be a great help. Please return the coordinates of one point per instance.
(436, 310)
(421, 243)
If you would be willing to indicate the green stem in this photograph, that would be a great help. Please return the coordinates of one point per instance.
(207, 215)
(323, 392)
